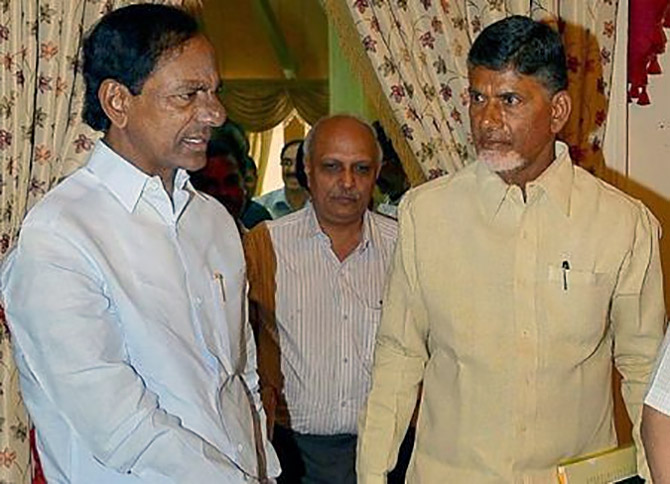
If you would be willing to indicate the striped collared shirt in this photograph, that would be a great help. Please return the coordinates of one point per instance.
(320, 318)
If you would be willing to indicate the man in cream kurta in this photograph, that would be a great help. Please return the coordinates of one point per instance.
(516, 284)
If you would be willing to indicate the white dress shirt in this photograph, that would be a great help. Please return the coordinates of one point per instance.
(127, 317)
(658, 395)
(276, 203)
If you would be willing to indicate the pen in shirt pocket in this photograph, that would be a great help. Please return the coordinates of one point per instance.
(221, 283)
(565, 267)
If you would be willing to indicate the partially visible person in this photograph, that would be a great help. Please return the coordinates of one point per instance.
(253, 213)
(125, 292)
(518, 284)
(223, 178)
(392, 182)
(316, 278)
(300, 173)
(656, 418)
(292, 196)
(250, 177)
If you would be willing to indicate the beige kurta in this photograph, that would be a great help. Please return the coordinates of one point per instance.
(511, 314)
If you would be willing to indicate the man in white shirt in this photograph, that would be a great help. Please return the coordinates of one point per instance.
(292, 196)
(656, 418)
(316, 279)
(125, 293)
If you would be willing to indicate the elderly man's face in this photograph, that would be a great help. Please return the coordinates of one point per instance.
(342, 170)
(514, 120)
(170, 121)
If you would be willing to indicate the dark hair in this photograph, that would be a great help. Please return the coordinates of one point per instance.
(288, 145)
(216, 148)
(300, 172)
(219, 147)
(249, 165)
(529, 47)
(126, 45)
(234, 136)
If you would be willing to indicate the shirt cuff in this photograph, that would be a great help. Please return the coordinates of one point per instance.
(371, 479)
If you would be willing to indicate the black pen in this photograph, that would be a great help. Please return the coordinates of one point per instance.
(566, 267)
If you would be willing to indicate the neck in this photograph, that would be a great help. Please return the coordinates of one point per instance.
(296, 198)
(121, 147)
(531, 170)
(344, 238)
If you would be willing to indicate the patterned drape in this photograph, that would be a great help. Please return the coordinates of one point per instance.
(41, 139)
(412, 58)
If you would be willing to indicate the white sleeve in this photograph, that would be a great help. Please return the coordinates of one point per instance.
(69, 340)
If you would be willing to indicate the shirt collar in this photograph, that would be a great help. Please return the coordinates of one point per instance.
(125, 180)
(555, 181)
(315, 230)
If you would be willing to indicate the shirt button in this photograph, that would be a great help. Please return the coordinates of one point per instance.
(198, 301)
(346, 360)
(344, 404)
(345, 317)
(240, 447)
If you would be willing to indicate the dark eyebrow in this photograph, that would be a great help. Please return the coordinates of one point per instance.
(509, 93)
(196, 84)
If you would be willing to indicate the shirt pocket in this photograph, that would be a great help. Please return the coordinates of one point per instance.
(372, 318)
(223, 334)
(576, 305)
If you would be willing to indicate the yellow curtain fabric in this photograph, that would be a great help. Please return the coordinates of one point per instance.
(42, 138)
(260, 151)
(260, 105)
(412, 59)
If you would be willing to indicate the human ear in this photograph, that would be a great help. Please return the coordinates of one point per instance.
(114, 99)
(561, 106)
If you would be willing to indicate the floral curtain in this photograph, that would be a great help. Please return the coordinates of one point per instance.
(411, 56)
(260, 105)
(42, 138)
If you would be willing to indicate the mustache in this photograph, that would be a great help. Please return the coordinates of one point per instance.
(351, 195)
(495, 139)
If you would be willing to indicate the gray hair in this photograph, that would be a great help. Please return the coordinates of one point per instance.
(309, 139)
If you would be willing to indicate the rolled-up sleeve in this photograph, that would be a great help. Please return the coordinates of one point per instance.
(399, 360)
(69, 343)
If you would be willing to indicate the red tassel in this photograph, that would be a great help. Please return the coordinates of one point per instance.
(633, 92)
(654, 67)
(643, 99)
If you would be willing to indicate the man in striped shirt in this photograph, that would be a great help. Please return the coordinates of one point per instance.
(316, 281)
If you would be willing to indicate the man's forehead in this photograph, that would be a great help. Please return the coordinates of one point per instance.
(506, 79)
(291, 151)
(344, 130)
(195, 57)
